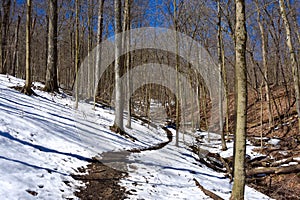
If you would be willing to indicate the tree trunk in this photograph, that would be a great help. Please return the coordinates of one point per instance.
(71, 57)
(98, 49)
(220, 63)
(118, 124)
(127, 25)
(90, 73)
(294, 18)
(226, 88)
(76, 51)
(177, 71)
(292, 57)
(1, 26)
(16, 45)
(264, 49)
(27, 88)
(241, 102)
(5, 27)
(274, 170)
(51, 74)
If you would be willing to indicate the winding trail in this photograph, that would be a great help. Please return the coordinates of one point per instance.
(103, 175)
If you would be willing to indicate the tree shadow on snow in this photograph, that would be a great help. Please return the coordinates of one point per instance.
(34, 166)
(44, 149)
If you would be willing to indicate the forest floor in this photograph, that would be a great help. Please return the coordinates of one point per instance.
(278, 140)
(49, 150)
(276, 144)
(102, 176)
(101, 182)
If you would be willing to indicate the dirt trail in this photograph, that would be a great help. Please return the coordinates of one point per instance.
(103, 175)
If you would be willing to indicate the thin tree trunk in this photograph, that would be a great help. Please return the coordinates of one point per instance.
(204, 108)
(192, 93)
(71, 58)
(90, 73)
(261, 117)
(226, 88)
(294, 18)
(177, 71)
(46, 40)
(220, 63)
(241, 102)
(182, 113)
(264, 48)
(5, 29)
(148, 100)
(198, 96)
(1, 26)
(16, 45)
(51, 74)
(127, 25)
(76, 51)
(292, 57)
(98, 49)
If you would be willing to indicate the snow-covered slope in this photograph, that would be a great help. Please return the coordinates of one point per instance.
(43, 140)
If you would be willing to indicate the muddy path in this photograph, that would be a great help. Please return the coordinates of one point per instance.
(102, 175)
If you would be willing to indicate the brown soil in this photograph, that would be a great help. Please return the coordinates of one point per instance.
(285, 186)
(102, 182)
(103, 175)
(285, 128)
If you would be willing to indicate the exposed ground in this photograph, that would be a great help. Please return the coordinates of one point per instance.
(105, 172)
(285, 129)
(102, 182)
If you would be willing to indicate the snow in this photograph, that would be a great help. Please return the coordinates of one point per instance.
(289, 164)
(274, 141)
(43, 140)
(297, 159)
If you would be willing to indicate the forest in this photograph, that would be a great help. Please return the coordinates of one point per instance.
(229, 67)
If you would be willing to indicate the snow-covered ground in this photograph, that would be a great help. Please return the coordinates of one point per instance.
(43, 140)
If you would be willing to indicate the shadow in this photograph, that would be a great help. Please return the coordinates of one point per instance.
(187, 155)
(19, 104)
(135, 182)
(178, 169)
(44, 149)
(194, 172)
(15, 102)
(33, 166)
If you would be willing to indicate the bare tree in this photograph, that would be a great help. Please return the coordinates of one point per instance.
(241, 102)
(90, 24)
(220, 63)
(126, 27)
(98, 47)
(51, 75)
(177, 70)
(294, 18)
(292, 57)
(118, 123)
(27, 88)
(16, 48)
(76, 51)
(6, 4)
(264, 47)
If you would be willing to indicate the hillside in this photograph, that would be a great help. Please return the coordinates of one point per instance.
(45, 142)
(279, 141)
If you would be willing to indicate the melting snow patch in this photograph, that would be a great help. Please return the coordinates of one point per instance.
(274, 142)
